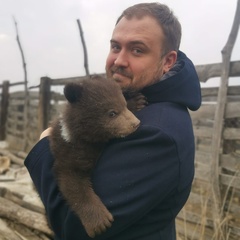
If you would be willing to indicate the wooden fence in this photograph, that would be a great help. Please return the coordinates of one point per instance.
(4, 105)
(197, 219)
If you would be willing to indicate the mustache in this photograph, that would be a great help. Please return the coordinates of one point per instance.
(121, 71)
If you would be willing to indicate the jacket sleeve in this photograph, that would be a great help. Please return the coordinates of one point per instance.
(39, 163)
(132, 177)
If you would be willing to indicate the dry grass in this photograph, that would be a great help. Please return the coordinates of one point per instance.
(197, 222)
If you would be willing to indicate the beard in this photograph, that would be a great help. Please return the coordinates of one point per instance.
(149, 76)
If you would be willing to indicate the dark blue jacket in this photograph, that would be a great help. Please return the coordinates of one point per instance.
(143, 179)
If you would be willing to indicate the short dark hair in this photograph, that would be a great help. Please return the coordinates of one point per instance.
(166, 19)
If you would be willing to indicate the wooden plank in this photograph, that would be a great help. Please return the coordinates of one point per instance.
(18, 94)
(209, 91)
(16, 102)
(234, 209)
(7, 194)
(234, 232)
(231, 134)
(7, 233)
(202, 157)
(200, 199)
(63, 81)
(14, 132)
(202, 132)
(4, 178)
(233, 90)
(189, 230)
(24, 216)
(213, 91)
(228, 180)
(232, 110)
(205, 111)
(13, 158)
(208, 71)
(198, 219)
(4, 109)
(203, 172)
(17, 115)
(15, 142)
(230, 162)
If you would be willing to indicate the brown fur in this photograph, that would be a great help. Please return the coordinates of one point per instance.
(96, 112)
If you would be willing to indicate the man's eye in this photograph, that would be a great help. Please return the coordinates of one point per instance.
(137, 51)
(115, 48)
(112, 114)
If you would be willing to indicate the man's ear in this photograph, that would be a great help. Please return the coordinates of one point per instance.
(73, 92)
(169, 60)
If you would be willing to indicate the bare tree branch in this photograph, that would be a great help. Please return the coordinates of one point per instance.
(219, 120)
(26, 102)
(84, 47)
(21, 51)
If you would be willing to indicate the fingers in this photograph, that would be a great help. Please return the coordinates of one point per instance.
(45, 133)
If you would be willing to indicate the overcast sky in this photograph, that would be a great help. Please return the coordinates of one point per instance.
(50, 38)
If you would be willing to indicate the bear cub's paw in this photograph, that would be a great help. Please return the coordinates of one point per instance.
(97, 220)
(136, 101)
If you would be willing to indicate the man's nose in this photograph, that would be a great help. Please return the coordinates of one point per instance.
(121, 59)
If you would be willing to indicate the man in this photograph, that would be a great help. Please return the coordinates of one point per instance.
(144, 179)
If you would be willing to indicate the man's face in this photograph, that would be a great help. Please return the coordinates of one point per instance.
(134, 60)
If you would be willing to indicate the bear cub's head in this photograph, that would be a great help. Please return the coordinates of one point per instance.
(96, 111)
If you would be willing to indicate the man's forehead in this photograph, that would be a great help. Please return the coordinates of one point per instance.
(137, 30)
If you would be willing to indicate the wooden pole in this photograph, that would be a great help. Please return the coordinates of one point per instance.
(84, 48)
(218, 125)
(22, 54)
(44, 103)
(4, 109)
(26, 99)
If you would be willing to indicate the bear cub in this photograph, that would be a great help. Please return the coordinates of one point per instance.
(96, 111)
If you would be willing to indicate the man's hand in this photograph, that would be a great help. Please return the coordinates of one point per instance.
(45, 133)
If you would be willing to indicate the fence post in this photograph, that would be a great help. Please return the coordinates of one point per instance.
(4, 109)
(44, 103)
(217, 142)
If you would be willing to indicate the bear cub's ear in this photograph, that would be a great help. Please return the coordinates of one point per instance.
(73, 92)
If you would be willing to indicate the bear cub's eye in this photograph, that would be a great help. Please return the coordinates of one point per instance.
(112, 114)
